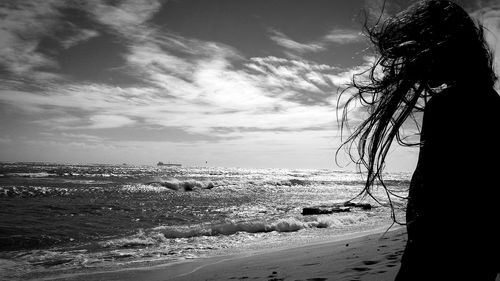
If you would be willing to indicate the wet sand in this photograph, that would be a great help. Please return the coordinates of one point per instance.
(373, 256)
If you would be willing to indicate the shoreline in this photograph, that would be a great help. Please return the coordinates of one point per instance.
(363, 255)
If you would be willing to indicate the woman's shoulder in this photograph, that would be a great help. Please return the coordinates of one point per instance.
(465, 97)
(458, 107)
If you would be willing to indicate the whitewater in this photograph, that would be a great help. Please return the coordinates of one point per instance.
(59, 218)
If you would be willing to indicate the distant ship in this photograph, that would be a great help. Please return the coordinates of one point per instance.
(168, 164)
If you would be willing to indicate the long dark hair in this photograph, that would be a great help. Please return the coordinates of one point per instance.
(432, 43)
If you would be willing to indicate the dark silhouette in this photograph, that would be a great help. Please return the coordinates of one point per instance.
(434, 58)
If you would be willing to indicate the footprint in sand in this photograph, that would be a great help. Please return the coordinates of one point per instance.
(370, 262)
(392, 257)
(360, 269)
(274, 278)
(313, 279)
(309, 264)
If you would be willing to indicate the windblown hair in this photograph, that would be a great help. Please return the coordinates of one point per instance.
(430, 44)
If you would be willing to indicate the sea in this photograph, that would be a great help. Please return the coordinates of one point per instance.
(75, 218)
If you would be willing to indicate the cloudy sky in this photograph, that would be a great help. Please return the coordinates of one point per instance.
(245, 83)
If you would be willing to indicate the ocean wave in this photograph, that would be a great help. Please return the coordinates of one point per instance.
(133, 188)
(290, 224)
(30, 175)
(32, 191)
(283, 182)
(173, 184)
(162, 234)
(139, 239)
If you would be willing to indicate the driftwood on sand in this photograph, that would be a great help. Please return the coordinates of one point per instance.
(335, 208)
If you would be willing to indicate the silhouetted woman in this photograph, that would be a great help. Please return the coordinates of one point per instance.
(433, 58)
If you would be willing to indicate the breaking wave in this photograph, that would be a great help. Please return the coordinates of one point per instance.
(173, 184)
(162, 234)
(155, 187)
(32, 191)
(29, 175)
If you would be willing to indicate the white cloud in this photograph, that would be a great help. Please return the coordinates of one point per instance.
(24, 23)
(21, 25)
(80, 35)
(127, 18)
(150, 58)
(216, 96)
(69, 146)
(335, 36)
(267, 104)
(343, 78)
(278, 74)
(199, 92)
(109, 121)
(284, 41)
(72, 136)
(343, 36)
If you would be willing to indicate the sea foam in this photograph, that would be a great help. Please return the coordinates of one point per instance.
(171, 184)
(162, 234)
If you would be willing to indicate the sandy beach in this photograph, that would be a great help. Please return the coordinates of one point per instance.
(362, 256)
